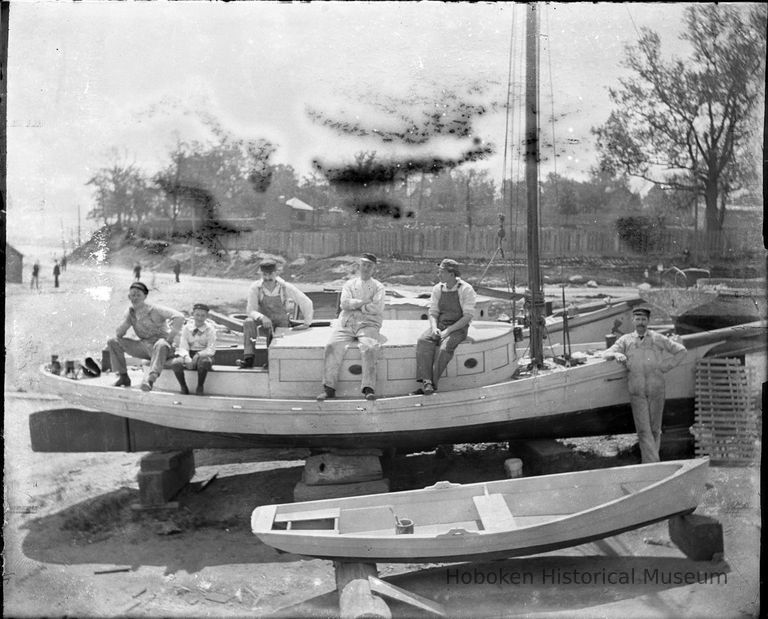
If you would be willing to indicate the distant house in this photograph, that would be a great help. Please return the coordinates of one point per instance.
(14, 265)
(302, 214)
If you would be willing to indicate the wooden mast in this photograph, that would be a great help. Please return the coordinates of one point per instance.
(536, 300)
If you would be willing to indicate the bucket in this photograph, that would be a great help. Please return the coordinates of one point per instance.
(610, 340)
(403, 526)
(518, 334)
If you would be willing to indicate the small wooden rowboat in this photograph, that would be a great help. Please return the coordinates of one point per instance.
(495, 519)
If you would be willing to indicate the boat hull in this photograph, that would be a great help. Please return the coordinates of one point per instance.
(559, 401)
(496, 519)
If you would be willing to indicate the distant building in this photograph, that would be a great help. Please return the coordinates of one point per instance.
(302, 214)
(14, 265)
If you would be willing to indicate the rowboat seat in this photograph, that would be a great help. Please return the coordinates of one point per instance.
(494, 513)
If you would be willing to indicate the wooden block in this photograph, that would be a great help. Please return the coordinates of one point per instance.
(699, 537)
(355, 596)
(166, 460)
(340, 469)
(159, 487)
(303, 492)
(513, 467)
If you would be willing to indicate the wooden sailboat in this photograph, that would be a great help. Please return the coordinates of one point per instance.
(495, 519)
(488, 393)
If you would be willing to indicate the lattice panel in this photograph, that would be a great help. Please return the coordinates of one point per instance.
(726, 414)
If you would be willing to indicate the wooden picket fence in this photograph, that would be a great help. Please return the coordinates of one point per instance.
(726, 424)
(481, 243)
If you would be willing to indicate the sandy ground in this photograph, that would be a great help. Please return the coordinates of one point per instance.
(69, 522)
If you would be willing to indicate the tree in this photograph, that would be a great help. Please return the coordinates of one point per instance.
(121, 193)
(691, 124)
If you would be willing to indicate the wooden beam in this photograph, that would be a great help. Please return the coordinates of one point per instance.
(401, 595)
(355, 596)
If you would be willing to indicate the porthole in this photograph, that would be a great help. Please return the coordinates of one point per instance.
(356, 369)
(470, 363)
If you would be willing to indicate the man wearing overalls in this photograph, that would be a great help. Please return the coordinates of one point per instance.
(451, 308)
(267, 308)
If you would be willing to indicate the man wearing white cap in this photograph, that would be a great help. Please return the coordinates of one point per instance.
(362, 312)
(451, 309)
(647, 356)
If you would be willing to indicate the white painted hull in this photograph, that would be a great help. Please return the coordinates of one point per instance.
(556, 401)
(485, 520)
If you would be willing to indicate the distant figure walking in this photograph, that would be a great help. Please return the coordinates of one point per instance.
(137, 272)
(64, 263)
(56, 273)
(35, 283)
(177, 271)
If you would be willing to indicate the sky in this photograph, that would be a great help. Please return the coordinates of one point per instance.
(93, 83)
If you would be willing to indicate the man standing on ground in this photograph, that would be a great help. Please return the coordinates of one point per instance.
(451, 309)
(197, 345)
(647, 356)
(362, 312)
(267, 307)
(56, 273)
(177, 271)
(137, 272)
(35, 281)
(150, 324)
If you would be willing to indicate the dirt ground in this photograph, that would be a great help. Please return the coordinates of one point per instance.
(75, 546)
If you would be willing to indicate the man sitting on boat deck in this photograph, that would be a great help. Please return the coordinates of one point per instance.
(451, 308)
(266, 307)
(197, 345)
(648, 356)
(362, 312)
(150, 324)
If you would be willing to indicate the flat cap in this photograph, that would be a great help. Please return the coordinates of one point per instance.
(267, 266)
(450, 265)
(369, 258)
(643, 310)
(200, 306)
(139, 286)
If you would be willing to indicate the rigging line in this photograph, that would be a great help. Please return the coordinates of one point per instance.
(555, 178)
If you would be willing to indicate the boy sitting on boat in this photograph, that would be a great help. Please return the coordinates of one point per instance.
(150, 324)
(451, 309)
(268, 298)
(362, 312)
(197, 345)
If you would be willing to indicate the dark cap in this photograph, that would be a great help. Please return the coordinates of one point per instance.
(201, 306)
(139, 286)
(369, 258)
(450, 265)
(643, 310)
(268, 266)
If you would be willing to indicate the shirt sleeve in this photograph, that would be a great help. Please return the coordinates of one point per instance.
(252, 306)
(176, 317)
(434, 301)
(210, 348)
(303, 301)
(123, 327)
(347, 295)
(375, 307)
(619, 346)
(184, 341)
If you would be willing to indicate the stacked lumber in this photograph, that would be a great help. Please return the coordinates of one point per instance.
(726, 415)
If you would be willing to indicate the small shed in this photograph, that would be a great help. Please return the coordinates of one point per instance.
(14, 265)
(302, 214)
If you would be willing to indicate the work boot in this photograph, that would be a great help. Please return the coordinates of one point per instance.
(182, 381)
(149, 382)
(369, 394)
(429, 388)
(246, 363)
(328, 393)
(201, 374)
(123, 381)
